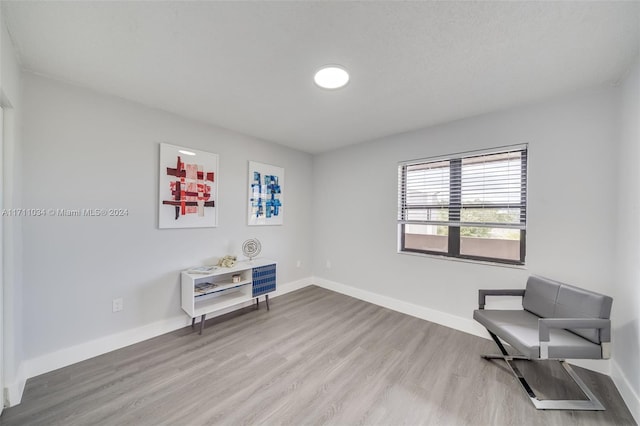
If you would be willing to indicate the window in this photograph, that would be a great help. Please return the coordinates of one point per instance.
(471, 205)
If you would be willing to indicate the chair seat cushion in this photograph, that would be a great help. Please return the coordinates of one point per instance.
(519, 328)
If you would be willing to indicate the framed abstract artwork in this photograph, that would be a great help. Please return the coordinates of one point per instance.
(188, 188)
(266, 194)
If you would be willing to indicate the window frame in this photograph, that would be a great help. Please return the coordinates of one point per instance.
(455, 204)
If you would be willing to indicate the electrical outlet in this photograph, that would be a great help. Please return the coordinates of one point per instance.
(298, 264)
(328, 264)
(118, 304)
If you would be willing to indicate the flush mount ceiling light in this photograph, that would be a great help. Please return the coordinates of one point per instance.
(331, 77)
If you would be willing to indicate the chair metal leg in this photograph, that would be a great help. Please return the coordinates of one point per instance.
(520, 357)
(591, 404)
(266, 298)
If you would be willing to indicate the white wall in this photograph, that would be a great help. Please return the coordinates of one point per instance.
(10, 99)
(86, 150)
(626, 305)
(571, 193)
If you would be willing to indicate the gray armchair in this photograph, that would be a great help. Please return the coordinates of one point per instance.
(558, 321)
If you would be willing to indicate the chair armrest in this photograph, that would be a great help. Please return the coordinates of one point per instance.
(544, 324)
(482, 294)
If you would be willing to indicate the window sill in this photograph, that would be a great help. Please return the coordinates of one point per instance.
(459, 259)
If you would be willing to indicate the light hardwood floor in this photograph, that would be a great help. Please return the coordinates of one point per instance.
(317, 357)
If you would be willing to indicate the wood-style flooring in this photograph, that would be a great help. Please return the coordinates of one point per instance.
(318, 358)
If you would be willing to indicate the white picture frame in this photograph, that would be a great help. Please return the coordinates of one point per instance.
(188, 188)
(265, 204)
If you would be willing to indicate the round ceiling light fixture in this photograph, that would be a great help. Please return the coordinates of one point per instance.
(331, 77)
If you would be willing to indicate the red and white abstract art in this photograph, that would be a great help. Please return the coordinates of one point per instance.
(188, 188)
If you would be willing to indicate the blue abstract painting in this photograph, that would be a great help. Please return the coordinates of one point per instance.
(266, 202)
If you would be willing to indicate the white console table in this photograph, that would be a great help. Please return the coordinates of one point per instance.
(203, 294)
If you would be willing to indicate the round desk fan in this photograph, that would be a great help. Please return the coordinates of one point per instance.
(251, 248)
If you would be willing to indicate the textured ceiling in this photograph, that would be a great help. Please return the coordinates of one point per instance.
(248, 66)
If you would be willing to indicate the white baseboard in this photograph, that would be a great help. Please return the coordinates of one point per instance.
(466, 325)
(602, 366)
(292, 286)
(85, 350)
(630, 397)
(13, 391)
(463, 324)
(80, 352)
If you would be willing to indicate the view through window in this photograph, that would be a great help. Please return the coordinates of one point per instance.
(470, 205)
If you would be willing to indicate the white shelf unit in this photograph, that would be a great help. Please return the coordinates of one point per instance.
(203, 294)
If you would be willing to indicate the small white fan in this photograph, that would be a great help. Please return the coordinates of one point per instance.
(251, 248)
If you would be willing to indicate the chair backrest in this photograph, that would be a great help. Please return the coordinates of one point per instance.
(552, 299)
(540, 296)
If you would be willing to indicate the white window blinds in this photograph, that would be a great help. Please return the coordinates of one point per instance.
(479, 189)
